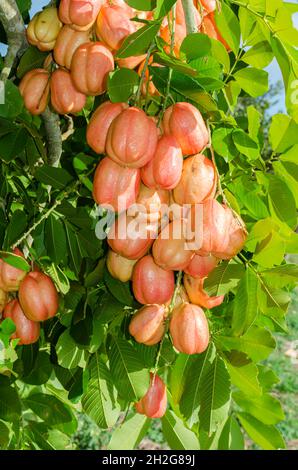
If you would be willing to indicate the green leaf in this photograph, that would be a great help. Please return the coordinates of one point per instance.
(48, 408)
(98, 335)
(178, 376)
(37, 434)
(207, 66)
(267, 437)
(33, 58)
(95, 276)
(146, 5)
(13, 144)
(232, 201)
(129, 434)
(7, 127)
(284, 27)
(254, 122)
(15, 260)
(273, 7)
(108, 308)
(99, 400)
(177, 435)
(267, 377)
(197, 45)
(270, 251)
(245, 304)
(7, 327)
(73, 380)
(245, 378)
(224, 278)
(24, 5)
(292, 243)
(55, 239)
(215, 396)
(10, 405)
(16, 227)
(81, 328)
(120, 290)
(163, 7)
(281, 201)
(122, 84)
(253, 81)
(4, 435)
(273, 303)
(220, 53)
(89, 245)
(223, 144)
(193, 383)
(286, 65)
(129, 374)
(260, 232)
(41, 371)
(69, 355)
(56, 177)
(265, 408)
(247, 24)
(257, 343)
(255, 205)
(245, 144)
(293, 7)
(77, 216)
(259, 56)
(138, 42)
(176, 64)
(59, 440)
(231, 93)
(59, 277)
(207, 82)
(83, 163)
(13, 102)
(288, 171)
(283, 133)
(74, 248)
(186, 87)
(281, 276)
(231, 437)
(228, 25)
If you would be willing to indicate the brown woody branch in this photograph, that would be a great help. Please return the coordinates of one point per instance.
(14, 27)
(53, 135)
(190, 17)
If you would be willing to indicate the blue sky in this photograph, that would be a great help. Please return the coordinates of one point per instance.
(273, 69)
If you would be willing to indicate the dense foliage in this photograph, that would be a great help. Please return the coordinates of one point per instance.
(85, 358)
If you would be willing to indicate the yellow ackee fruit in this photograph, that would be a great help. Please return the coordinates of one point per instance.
(44, 28)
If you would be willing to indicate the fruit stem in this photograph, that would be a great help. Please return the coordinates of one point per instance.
(220, 190)
(167, 93)
(219, 187)
(170, 308)
(143, 74)
(176, 291)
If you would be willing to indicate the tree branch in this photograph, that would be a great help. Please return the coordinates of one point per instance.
(53, 136)
(14, 27)
(190, 17)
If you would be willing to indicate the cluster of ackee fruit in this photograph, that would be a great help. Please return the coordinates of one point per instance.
(146, 163)
(79, 66)
(37, 300)
(148, 168)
